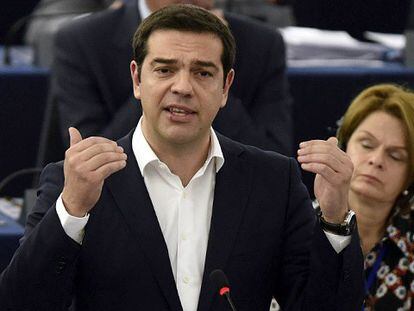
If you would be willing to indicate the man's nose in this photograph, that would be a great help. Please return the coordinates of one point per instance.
(182, 84)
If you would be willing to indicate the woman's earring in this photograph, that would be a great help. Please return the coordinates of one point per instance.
(405, 192)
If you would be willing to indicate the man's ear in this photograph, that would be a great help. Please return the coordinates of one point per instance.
(227, 84)
(135, 79)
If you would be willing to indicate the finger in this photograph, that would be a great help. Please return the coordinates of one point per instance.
(323, 158)
(309, 142)
(333, 140)
(102, 159)
(334, 178)
(75, 136)
(321, 169)
(96, 149)
(108, 169)
(319, 146)
(323, 150)
(308, 145)
(322, 147)
(327, 154)
(90, 141)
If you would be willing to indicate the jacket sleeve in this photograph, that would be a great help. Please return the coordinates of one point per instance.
(40, 275)
(313, 276)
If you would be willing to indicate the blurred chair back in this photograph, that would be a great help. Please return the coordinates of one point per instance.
(51, 148)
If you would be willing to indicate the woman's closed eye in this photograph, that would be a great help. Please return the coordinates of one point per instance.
(367, 144)
(398, 156)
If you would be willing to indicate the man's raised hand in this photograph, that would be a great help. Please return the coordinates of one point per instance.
(333, 169)
(88, 162)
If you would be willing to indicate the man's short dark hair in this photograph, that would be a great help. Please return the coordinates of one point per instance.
(188, 18)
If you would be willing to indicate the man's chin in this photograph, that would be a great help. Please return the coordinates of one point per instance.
(185, 136)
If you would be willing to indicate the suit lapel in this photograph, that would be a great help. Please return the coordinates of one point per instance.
(132, 198)
(228, 210)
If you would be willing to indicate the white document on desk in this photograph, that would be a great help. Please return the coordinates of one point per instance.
(325, 47)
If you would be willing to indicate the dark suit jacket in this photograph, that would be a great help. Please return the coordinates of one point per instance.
(92, 85)
(263, 235)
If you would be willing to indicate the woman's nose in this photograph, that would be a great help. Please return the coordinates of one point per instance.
(377, 159)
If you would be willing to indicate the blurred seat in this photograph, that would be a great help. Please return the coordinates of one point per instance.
(23, 93)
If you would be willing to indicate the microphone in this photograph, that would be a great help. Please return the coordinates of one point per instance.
(220, 280)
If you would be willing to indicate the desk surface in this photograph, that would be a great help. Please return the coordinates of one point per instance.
(9, 227)
(394, 69)
(24, 71)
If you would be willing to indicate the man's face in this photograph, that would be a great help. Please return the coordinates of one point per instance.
(181, 87)
(158, 4)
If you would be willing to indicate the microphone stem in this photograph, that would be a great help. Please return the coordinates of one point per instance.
(233, 308)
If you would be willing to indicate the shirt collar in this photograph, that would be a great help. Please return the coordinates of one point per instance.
(145, 155)
(143, 9)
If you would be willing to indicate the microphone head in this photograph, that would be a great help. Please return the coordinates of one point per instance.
(220, 280)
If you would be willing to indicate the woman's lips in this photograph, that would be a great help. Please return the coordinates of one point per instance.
(370, 178)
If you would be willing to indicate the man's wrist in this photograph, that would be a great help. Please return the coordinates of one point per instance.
(70, 210)
(335, 219)
(73, 226)
(345, 227)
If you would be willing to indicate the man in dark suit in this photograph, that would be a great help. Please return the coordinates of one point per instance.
(140, 224)
(92, 88)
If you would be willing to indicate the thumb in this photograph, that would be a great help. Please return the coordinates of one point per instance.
(333, 141)
(75, 136)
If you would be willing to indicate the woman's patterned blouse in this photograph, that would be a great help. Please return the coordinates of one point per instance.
(393, 286)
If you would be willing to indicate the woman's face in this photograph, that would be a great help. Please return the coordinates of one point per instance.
(379, 153)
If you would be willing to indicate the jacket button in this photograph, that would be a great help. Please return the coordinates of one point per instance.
(60, 266)
(346, 275)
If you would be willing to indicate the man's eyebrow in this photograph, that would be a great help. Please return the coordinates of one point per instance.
(167, 61)
(171, 61)
(202, 63)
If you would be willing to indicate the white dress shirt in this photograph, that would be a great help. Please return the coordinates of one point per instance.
(184, 214)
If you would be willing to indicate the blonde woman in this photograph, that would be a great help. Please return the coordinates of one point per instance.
(377, 133)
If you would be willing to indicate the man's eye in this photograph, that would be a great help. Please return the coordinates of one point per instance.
(163, 70)
(204, 74)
